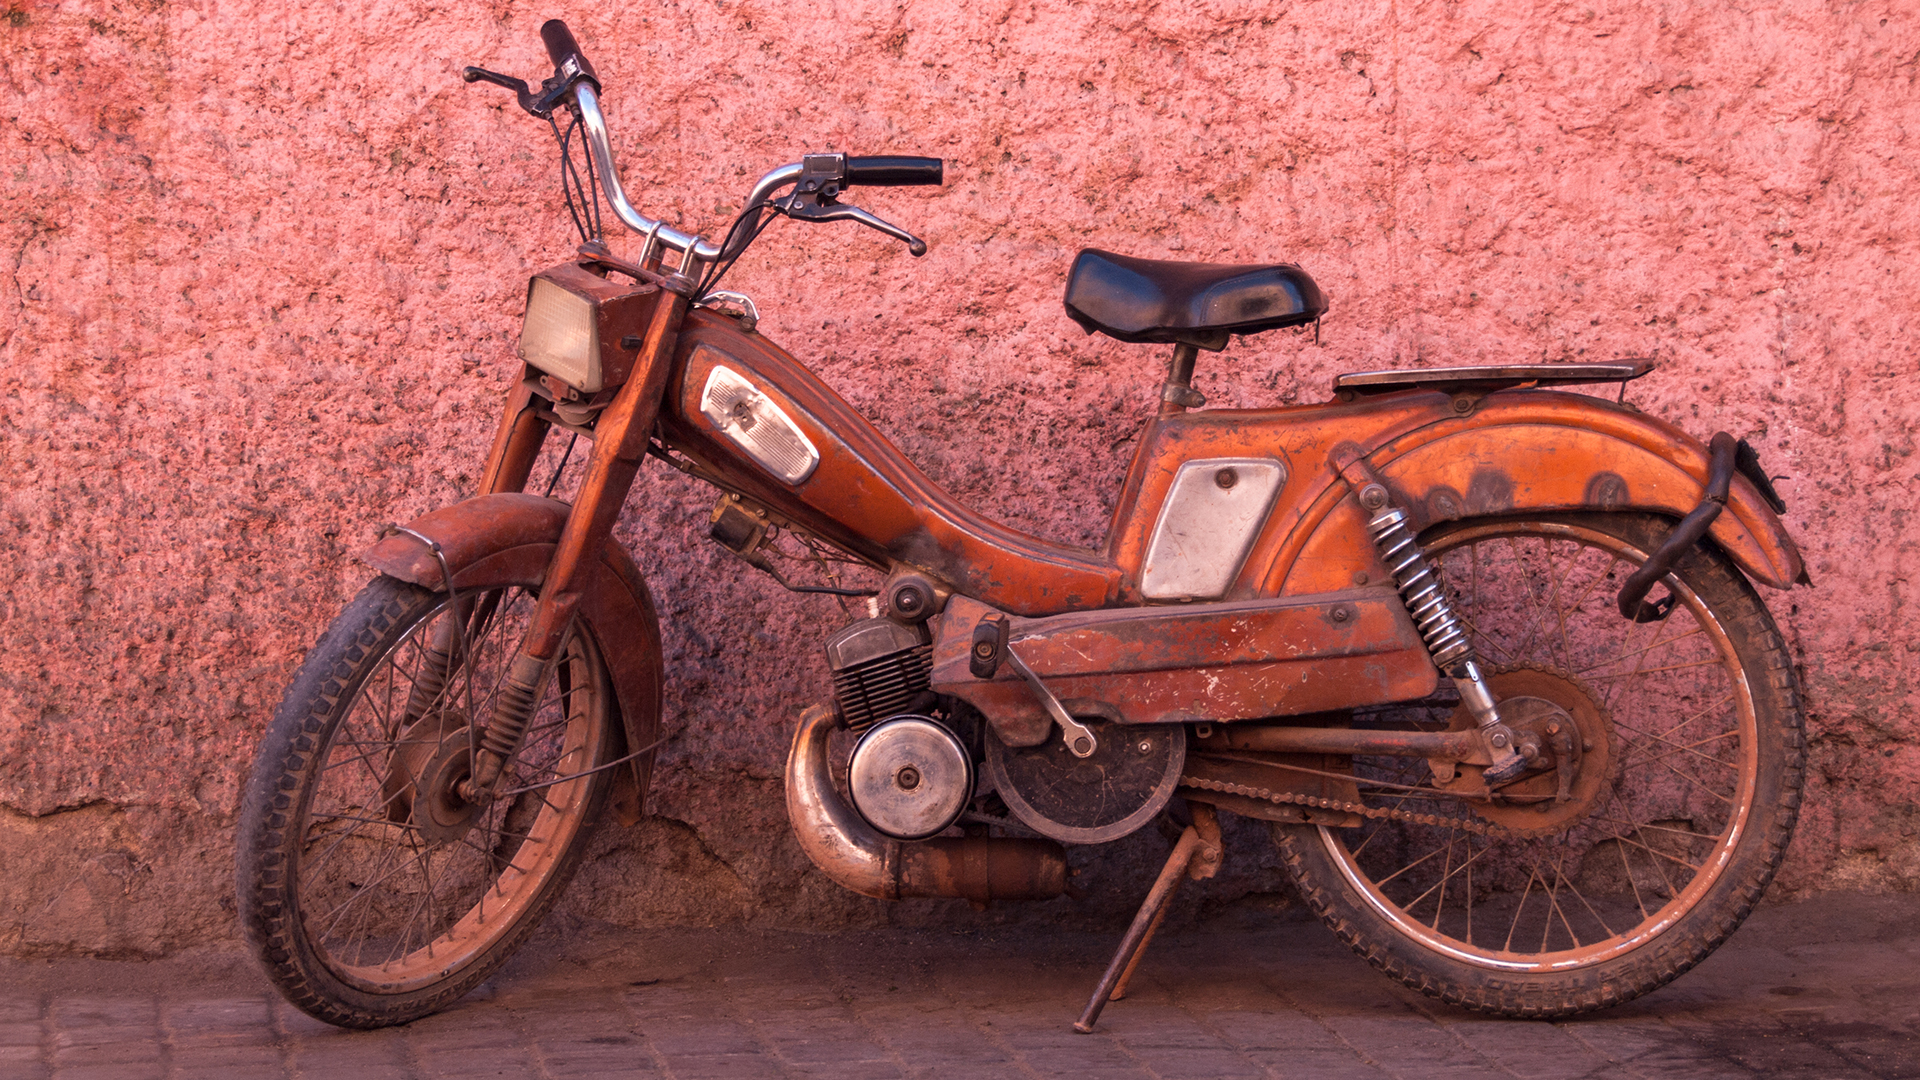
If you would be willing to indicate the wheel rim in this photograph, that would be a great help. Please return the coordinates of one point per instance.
(1655, 841)
(397, 885)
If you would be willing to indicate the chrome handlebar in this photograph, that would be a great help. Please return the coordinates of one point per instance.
(693, 249)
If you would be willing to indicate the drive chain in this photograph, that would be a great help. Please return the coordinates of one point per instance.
(1478, 828)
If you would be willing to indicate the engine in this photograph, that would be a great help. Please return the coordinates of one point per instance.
(880, 668)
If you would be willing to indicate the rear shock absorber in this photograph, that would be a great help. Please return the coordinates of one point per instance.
(1433, 615)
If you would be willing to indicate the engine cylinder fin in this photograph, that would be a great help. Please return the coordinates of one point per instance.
(878, 688)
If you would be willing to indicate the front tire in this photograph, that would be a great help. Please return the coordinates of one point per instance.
(370, 892)
(1551, 908)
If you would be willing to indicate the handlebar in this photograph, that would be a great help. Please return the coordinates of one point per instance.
(575, 77)
(568, 60)
(895, 171)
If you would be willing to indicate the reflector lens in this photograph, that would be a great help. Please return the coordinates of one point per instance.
(758, 425)
(558, 336)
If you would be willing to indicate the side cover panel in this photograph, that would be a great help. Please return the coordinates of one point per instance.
(1193, 662)
(504, 539)
(1515, 450)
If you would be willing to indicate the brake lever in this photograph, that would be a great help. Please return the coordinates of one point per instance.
(553, 92)
(518, 86)
(799, 206)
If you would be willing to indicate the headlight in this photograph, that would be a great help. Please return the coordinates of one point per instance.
(577, 323)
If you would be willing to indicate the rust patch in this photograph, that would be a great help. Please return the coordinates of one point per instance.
(1607, 491)
(1489, 492)
(1445, 504)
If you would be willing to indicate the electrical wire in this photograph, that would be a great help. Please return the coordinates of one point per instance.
(587, 213)
(718, 270)
(562, 467)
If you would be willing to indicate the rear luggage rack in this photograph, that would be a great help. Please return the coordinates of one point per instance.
(1450, 380)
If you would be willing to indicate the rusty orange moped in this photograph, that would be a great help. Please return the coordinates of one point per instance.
(1484, 653)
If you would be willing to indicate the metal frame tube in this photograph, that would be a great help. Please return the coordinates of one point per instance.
(1462, 746)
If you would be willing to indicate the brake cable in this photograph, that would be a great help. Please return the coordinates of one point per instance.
(716, 271)
(570, 179)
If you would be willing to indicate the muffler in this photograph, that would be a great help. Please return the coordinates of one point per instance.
(858, 857)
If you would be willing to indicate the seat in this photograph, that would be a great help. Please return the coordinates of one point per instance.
(1198, 304)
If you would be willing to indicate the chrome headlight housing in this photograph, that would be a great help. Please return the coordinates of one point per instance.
(583, 329)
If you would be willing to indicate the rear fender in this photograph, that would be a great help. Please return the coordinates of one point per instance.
(1541, 451)
(509, 539)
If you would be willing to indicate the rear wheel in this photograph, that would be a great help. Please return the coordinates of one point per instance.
(371, 891)
(1547, 901)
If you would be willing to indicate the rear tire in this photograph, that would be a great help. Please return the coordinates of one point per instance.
(1535, 910)
(371, 894)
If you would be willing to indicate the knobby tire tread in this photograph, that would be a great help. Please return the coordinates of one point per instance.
(1535, 997)
(328, 673)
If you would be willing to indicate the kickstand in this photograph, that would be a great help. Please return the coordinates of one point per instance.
(1197, 855)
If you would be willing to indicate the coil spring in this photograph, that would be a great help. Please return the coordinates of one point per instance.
(513, 710)
(436, 668)
(1425, 600)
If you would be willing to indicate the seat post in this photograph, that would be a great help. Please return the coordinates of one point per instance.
(1178, 395)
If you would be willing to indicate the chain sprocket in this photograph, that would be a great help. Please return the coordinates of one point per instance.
(1475, 825)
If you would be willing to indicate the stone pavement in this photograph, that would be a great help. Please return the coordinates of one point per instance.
(1826, 989)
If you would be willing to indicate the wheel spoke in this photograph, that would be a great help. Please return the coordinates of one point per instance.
(1691, 749)
(386, 902)
(1625, 656)
(1655, 671)
(1513, 927)
(1612, 863)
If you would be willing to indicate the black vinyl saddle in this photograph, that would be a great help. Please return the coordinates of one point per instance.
(1199, 304)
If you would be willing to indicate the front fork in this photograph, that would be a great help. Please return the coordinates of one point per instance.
(620, 436)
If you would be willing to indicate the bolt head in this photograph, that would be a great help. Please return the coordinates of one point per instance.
(907, 778)
(1226, 478)
(982, 649)
(1145, 747)
(1373, 496)
(1499, 739)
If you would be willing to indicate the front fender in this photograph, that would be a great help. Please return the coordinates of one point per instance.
(1538, 450)
(492, 541)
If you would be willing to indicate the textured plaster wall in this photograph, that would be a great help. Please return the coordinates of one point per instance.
(261, 267)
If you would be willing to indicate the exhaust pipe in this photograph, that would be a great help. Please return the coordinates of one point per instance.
(858, 857)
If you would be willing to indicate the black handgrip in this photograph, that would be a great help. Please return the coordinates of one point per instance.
(563, 48)
(895, 171)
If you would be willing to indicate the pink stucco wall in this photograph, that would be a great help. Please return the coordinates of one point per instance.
(263, 265)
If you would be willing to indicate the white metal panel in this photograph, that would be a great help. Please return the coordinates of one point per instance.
(1207, 525)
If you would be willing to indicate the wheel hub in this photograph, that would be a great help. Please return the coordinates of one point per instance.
(424, 776)
(1564, 732)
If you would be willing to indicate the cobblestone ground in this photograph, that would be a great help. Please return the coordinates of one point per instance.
(1827, 989)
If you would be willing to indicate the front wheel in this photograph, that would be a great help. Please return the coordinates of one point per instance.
(1545, 900)
(371, 892)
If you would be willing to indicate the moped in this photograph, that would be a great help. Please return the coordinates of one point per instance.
(1484, 653)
